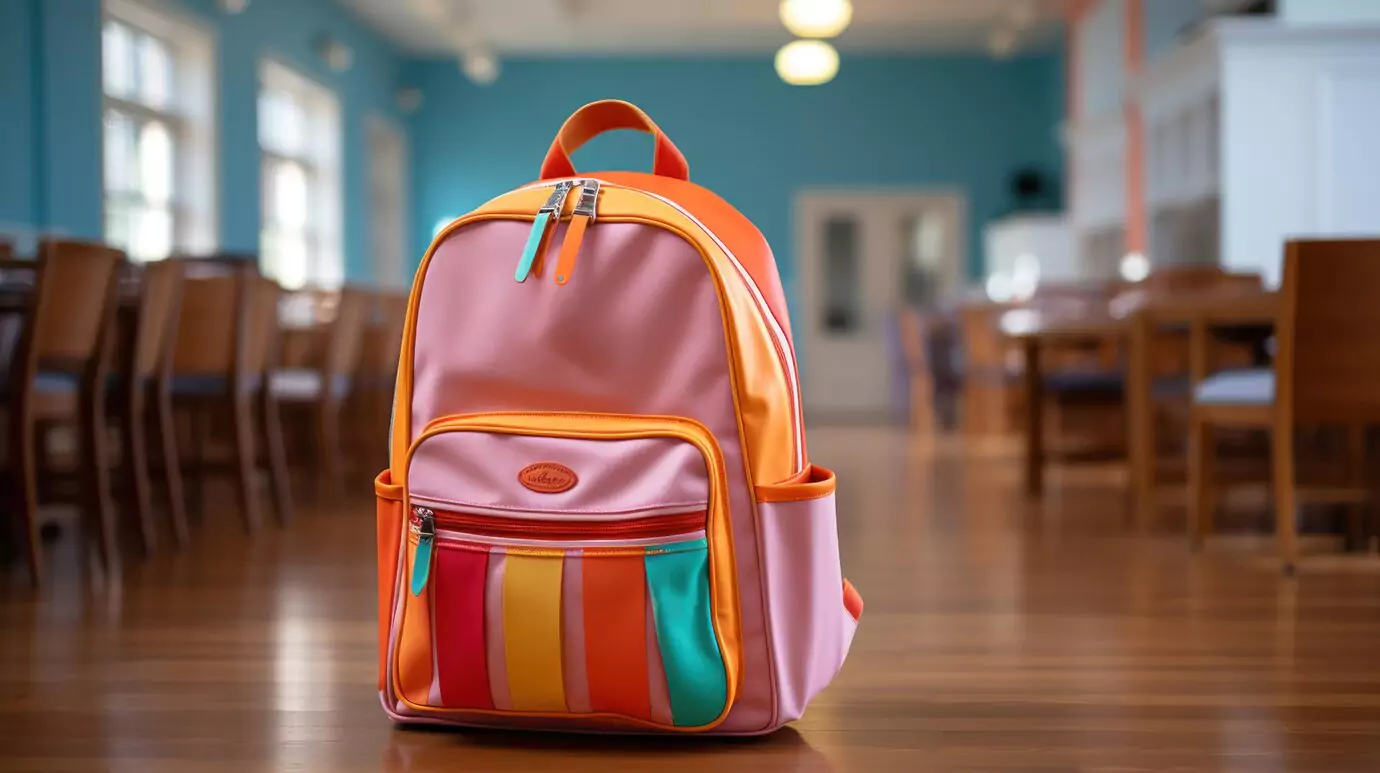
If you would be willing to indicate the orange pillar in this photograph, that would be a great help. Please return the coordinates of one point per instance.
(1134, 45)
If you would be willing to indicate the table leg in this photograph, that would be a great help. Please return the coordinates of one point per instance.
(1034, 419)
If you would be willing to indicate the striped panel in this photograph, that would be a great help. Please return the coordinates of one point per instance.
(573, 633)
(615, 628)
(493, 630)
(532, 630)
(678, 576)
(656, 674)
(463, 672)
(414, 644)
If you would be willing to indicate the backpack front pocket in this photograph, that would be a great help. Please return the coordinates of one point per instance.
(568, 565)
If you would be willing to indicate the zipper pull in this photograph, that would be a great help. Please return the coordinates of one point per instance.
(547, 216)
(424, 526)
(585, 211)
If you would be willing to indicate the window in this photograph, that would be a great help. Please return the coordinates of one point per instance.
(159, 169)
(299, 134)
(388, 202)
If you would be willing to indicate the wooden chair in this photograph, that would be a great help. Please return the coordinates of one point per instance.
(372, 396)
(911, 326)
(991, 381)
(1158, 381)
(227, 334)
(325, 387)
(146, 382)
(1326, 372)
(58, 375)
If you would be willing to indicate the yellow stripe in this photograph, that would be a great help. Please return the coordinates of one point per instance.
(532, 631)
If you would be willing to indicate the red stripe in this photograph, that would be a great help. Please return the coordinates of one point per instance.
(461, 664)
(615, 601)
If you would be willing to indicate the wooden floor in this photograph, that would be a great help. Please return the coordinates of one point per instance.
(998, 637)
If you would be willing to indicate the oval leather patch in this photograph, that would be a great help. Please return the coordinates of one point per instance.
(548, 477)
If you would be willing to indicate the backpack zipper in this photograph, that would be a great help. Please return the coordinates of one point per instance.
(423, 524)
(549, 213)
(585, 212)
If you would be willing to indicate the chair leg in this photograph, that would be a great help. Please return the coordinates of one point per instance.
(1286, 527)
(137, 467)
(1356, 477)
(24, 453)
(272, 422)
(196, 425)
(328, 448)
(1202, 499)
(242, 417)
(172, 462)
(100, 510)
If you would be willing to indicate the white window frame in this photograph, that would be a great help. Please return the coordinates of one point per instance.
(321, 157)
(190, 116)
(388, 240)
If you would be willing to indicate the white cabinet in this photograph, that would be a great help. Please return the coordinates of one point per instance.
(1259, 130)
(1044, 240)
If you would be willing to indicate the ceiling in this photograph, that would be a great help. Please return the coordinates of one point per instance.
(547, 27)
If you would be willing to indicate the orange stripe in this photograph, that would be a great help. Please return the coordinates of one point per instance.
(820, 483)
(615, 601)
(414, 644)
(389, 533)
(1135, 132)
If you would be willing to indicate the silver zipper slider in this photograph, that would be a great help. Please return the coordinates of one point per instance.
(589, 199)
(556, 201)
(425, 522)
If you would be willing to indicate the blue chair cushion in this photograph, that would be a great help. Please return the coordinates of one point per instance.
(1237, 387)
(1167, 387)
(206, 386)
(1084, 381)
(48, 383)
(305, 384)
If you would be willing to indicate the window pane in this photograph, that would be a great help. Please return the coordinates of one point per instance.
(120, 152)
(285, 257)
(153, 234)
(119, 223)
(155, 71)
(117, 59)
(841, 276)
(922, 268)
(282, 123)
(155, 163)
(289, 196)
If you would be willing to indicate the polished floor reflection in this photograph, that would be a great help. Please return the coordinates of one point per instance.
(998, 637)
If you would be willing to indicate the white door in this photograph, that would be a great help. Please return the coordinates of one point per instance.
(863, 256)
(388, 203)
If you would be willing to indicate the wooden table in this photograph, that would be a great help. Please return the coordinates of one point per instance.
(1036, 332)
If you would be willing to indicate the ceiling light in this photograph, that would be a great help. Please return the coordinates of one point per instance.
(481, 67)
(807, 62)
(234, 6)
(337, 56)
(816, 18)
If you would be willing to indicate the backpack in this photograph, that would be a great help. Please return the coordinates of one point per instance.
(599, 513)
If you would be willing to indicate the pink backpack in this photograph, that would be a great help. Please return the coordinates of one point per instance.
(599, 512)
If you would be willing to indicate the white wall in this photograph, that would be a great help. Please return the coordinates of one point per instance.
(1300, 109)
(1102, 58)
(1324, 11)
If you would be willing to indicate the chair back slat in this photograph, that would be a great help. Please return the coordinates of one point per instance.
(207, 321)
(346, 332)
(73, 299)
(159, 306)
(1328, 363)
(262, 328)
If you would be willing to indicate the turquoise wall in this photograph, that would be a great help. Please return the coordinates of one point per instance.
(959, 122)
(50, 110)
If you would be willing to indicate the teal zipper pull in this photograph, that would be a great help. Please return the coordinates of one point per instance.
(424, 526)
(547, 216)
